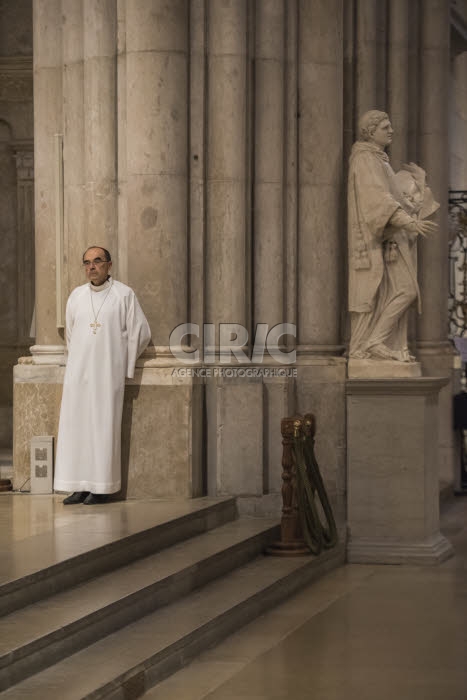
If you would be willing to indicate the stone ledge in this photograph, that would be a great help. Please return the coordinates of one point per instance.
(397, 386)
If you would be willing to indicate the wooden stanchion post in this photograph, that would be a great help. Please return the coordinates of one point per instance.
(291, 543)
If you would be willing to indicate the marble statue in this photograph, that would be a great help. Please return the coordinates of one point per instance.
(386, 214)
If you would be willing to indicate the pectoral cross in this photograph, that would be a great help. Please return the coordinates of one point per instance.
(95, 326)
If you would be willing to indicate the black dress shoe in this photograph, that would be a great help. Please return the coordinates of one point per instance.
(95, 498)
(76, 497)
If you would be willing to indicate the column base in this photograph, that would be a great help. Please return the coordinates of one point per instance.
(367, 550)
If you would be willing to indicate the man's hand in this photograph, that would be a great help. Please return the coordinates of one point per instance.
(424, 228)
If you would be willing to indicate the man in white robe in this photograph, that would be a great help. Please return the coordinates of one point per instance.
(106, 331)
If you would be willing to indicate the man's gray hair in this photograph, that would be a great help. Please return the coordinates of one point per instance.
(368, 123)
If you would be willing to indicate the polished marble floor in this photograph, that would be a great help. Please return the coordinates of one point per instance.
(360, 633)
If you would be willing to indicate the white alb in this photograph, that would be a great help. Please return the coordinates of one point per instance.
(89, 435)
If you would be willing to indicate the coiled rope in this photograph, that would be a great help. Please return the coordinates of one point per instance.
(309, 483)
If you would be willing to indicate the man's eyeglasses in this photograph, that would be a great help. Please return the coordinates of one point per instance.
(96, 261)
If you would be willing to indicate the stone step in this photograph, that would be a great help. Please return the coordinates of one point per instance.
(42, 565)
(126, 663)
(46, 631)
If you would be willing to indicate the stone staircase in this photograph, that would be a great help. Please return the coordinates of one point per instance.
(113, 620)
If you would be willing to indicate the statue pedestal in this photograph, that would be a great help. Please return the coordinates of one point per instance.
(392, 471)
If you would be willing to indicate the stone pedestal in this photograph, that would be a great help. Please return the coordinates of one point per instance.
(392, 478)
(161, 428)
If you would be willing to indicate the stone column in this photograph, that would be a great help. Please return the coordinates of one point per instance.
(321, 236)
(197, 159)
(269, 164)
(413, 70)
(321, 246)
(47, 22)
(226, 279)
(100, 123)
(11, 285)
(461, 72)
(122, 200)
(270, 205)
(8, 239)
(434, 350)
(75, 224)
(458, 132)
(234, 407)
(398, 80)
(349, 79)
(25, 240)
(37, 380)
(291, 160)
(156, 159)
(365, 57)
(434, 158)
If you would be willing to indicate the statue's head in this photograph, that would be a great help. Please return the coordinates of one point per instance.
(368, 124)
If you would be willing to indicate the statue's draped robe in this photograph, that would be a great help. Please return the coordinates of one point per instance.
(89, 436)
(382, 254)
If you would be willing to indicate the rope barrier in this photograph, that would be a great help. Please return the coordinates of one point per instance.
(309, 485)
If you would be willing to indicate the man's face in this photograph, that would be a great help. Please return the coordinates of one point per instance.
(382, 135)
(96, 266)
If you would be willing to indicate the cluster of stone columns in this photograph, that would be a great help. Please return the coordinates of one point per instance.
(415, 89)
(388, 74)
(205, 144)
(144, 144)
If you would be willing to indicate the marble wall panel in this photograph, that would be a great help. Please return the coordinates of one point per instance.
(161, 431)
(36, 412)
(160, 452)
(235, 437)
